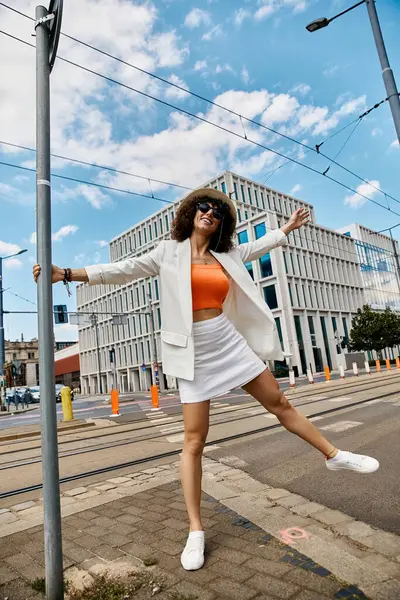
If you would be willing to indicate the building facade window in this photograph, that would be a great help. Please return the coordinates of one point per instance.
(235, 190)
(243, 238)
(223, 186)
(270, 296)
(300, 341)
(279, 329)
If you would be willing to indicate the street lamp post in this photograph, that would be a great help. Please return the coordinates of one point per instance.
(387, 73)
(2, 343)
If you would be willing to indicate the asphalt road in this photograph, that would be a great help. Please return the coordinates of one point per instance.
(283, 460)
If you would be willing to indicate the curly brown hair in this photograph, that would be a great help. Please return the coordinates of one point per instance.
(182, 225)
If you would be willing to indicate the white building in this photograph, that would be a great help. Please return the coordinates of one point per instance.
(378, 266)
(313, 286)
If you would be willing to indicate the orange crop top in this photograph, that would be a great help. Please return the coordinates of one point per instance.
(210, 286)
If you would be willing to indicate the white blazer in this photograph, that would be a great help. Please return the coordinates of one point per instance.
(243, 305)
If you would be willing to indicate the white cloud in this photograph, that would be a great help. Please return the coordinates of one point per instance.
(245, 76)
(301, 88)
(13, 263)
(173, 92)
(102, 243)
(216, 31)
(240, 15)
(264, 11)
(330, 71)
(295, 189)
(64, 232)
(6, 248)
(376, 131)
(221, 68)
(200, 65)
(32, 239)
(394, 144)
(281, 109)
(197, 17)
(355, 201)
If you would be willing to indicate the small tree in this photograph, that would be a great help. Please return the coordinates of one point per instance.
(374, 331)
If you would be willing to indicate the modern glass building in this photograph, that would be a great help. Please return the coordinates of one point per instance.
(313, 286)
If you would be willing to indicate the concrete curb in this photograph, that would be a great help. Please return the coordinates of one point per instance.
(36, 432)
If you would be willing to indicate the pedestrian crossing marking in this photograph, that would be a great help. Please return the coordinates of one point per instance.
(339, 399)
(341, 426)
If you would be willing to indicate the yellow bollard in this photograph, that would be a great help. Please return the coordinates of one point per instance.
(327, 373)
(388, 364)
(66, 402)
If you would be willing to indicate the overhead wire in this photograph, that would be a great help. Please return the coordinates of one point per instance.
(241, 117)
(98, 166)
(220, 127)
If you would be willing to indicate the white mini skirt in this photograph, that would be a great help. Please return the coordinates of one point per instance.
(223, 361)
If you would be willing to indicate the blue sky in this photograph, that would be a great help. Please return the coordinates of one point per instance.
(253, 56)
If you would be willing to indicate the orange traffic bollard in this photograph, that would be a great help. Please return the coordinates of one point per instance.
(114, 403)
(378, 365)
(327, 373)
(154, 397)
(398, 362)
(388, 364)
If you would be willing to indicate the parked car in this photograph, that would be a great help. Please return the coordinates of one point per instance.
(35, 391)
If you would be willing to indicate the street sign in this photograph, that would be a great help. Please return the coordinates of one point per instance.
(60, 313)
(119, 320)
(55, 8)
(143, 367)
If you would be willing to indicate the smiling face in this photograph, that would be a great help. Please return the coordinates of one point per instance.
(207, 218)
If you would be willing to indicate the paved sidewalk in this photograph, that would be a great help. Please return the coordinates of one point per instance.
(262, 543)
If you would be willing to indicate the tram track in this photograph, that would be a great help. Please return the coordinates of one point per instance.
(259, 410)
(175, 452)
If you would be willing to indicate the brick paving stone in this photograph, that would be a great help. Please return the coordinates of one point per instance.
(307, 509)
(156, 508)
(231, 570)
(185, 588)
(129, 519)
(87, 541)
(291, 500)
(110, 512)
(122, 528)
(23, 506)
(228, 529)
(70, 533)
(7, 517)
(7, 574)
(270, 567)
(276, 587)
(175, 535)
(232, 589)
(4, 510)
(383, 542)
(75, 491)
(231, 542)
(332, 517)
(178, 505)
(154, 517)
(88, 515)
(18, 589)
(105, 522)
(355, 529)
(308, 595)
(175, 524)
(78, 554)
(118, 480)
(97, 531)
(108, 552)
(133, 510)
(276, 493)
(230, 555)
(386, 590)
(137, 550)
(305, 578)
(115, 539)
(166, 562)
(76, 522)
(105, 487)
(167, 546)
(25, 565)
(142, 536)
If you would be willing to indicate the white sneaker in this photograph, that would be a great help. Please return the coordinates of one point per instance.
(353, 462)
(192, 557)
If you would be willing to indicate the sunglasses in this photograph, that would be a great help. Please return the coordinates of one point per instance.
(218, 213)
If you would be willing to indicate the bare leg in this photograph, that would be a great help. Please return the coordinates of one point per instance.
(265, 389)
(196, 420)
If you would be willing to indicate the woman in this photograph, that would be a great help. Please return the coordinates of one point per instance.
(215, 328)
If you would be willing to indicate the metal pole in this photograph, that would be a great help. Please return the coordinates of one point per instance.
(113, 368)
(2, 344)
(387, 73)
(51, 485)
(96, 326)
(396, 258)
(152, 341)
